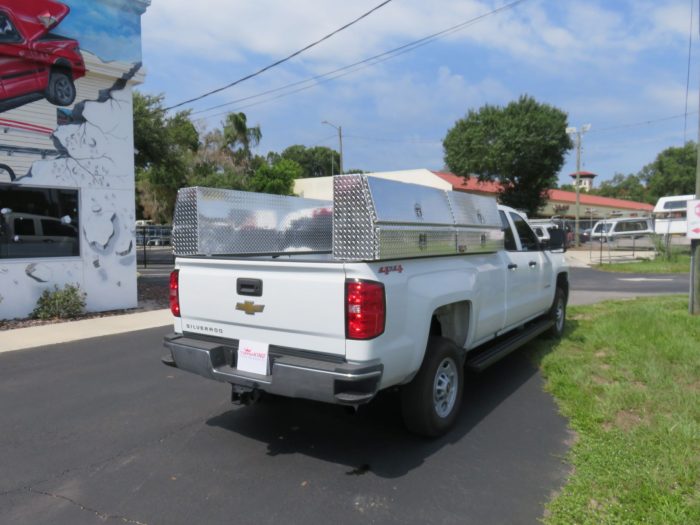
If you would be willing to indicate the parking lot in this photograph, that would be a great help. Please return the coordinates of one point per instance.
(99, 430)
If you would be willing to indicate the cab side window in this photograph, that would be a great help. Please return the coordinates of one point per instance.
(8, 33)
(509, 238)
(528, 239)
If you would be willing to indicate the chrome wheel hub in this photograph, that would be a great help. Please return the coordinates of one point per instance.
(445, 387)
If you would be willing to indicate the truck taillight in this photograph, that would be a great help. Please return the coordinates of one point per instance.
(365, 309)
(175, 293)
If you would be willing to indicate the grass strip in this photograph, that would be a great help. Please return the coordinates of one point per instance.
(681, 264)
(627, 375)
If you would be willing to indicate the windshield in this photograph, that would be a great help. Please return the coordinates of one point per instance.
(600, 227)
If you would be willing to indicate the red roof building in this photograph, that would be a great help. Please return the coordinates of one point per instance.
(560, 202)
(585, 179)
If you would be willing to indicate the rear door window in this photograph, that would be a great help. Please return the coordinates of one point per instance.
(509, 238)
(528, 239)
(24, 226)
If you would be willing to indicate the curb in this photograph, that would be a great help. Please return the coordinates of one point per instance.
(34, 336)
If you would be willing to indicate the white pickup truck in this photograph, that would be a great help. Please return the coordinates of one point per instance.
(389, 285)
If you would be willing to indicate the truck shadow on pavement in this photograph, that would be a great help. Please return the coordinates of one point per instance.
(499, 405)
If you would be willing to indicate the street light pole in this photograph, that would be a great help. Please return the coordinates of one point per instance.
(578, 133)
(340, 141)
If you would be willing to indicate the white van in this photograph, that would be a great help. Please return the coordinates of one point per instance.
(612, 229)
(670, 215)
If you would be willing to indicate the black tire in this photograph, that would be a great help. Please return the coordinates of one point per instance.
(61, 89)
(430, 403)
(558, 314)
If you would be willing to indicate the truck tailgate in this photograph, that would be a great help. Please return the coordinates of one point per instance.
(300, 305)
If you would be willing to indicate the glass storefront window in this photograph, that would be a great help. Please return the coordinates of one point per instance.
(38, 222)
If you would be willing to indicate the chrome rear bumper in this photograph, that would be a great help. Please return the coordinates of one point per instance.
(291, 376)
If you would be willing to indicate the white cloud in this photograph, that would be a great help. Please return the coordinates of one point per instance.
(602, 62)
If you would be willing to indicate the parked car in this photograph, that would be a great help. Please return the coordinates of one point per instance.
(612, 229)
(31, 235)
(35, 63)
(585, 235)
(543, 229)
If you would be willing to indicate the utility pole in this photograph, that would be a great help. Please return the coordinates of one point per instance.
(577, 133)
(694, 295)
(340, 141)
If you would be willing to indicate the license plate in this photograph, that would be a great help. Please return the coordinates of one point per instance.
(253, 357)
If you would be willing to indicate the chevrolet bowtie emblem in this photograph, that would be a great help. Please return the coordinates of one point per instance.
(250, 308)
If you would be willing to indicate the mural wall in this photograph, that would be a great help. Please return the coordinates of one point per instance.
(66, 150)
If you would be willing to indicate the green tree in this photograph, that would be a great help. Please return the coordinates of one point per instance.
(239, 139)
(278, 178)
(629, 187)
(214, 165)
(164, 147)
(672, 172)
(317, 161)
(521, 145)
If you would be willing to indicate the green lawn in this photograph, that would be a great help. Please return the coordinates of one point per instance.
(627, 375)
(680, 265)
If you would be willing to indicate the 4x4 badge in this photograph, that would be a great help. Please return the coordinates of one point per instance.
(250, 308)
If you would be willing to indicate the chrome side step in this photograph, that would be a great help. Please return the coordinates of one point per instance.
(480, 359)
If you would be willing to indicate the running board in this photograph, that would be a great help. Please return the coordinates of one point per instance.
(482, 359)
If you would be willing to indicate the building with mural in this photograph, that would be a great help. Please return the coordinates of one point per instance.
(67, 215)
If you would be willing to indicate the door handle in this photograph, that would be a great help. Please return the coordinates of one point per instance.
(532, 264)
(512, 266)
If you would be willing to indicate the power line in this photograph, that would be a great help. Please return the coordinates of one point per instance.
(401, 140)
(281, 61)
(642, 123)
(439, 141)
(326, 139)
(361, 64)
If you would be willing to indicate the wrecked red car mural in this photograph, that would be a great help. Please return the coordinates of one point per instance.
(34, 62)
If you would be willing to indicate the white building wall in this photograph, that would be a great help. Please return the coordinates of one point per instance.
(99, 164)
(87, 148)
(322, 187)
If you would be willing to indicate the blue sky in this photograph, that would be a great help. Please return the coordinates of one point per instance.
(611, 64)
(105, 30)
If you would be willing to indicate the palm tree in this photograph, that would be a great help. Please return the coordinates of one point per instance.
(239, 139)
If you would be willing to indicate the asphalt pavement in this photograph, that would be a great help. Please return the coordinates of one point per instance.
(99, 430)
(592, 286)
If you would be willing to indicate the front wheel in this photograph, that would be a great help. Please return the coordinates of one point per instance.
(558, 314)
(430, 403)
(61, 90)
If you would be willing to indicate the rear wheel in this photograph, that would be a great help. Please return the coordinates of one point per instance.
(431, 401)
(61, 90)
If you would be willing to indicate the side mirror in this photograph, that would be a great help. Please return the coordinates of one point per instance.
(557, 241)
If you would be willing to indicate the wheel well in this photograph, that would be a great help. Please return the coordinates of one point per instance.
(563, 282)
(451, 321)
(61, 65)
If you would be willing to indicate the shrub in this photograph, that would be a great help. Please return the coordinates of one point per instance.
(665, 250)
(60, 303)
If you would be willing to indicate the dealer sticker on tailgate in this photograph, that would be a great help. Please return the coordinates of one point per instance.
(253, 357)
